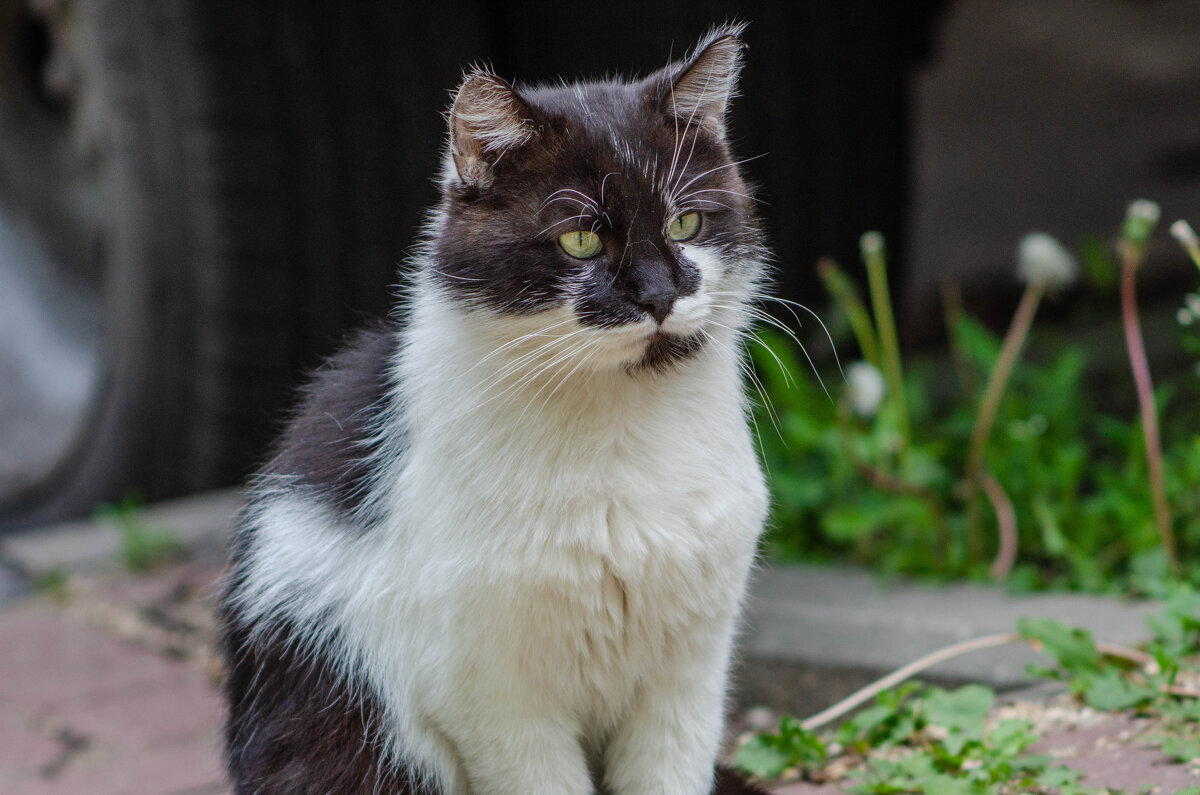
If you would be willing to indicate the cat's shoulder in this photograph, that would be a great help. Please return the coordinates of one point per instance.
(329, 445)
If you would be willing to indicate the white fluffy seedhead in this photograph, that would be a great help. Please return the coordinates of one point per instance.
(708, 79)
(1041, 259)
(488, 117)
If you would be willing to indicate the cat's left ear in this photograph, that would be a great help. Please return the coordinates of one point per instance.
(699, 89)
(487, 119)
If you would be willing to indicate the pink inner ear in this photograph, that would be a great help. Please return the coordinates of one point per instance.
(702, 90)
(487, 118)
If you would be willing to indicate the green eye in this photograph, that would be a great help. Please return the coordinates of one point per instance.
(580, 244)
(684, 227)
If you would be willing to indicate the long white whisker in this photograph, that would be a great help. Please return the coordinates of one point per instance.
(816, 317)
(718, 168)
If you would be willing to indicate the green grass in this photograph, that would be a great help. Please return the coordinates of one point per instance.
(143, 546)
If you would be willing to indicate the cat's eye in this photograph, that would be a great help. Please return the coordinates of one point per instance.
(580, 244)
(684, 227)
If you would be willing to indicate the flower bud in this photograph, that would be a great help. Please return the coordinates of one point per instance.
(1140, 220)
(871, 245)
(1182, 231)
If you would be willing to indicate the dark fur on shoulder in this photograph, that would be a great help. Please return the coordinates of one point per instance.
(296, 728)
(329, 444)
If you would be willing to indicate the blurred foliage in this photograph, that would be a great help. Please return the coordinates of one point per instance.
(1076, 475)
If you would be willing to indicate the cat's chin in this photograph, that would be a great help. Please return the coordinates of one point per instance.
(663, 351)
(654, 351)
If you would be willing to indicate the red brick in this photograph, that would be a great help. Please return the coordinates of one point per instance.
(171, 709)
(194, 769)
(24, 750)
(47, 658)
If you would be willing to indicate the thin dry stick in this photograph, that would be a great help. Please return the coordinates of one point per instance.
(1006, 520)
(1130, 256)
(941, 655)
(900, 674)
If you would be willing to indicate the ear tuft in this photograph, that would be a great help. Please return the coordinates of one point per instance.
(705, 82)
(487, 119)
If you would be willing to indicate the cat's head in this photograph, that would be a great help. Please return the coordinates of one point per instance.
(609, 211)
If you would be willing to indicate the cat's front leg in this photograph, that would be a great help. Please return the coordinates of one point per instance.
(507, 753)
(669, 744)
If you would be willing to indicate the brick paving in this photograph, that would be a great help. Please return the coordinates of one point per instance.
(111, 690)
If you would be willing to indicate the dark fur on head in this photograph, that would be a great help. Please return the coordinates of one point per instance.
(618, 159)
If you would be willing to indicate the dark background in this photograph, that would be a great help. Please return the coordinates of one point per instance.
(198, 199)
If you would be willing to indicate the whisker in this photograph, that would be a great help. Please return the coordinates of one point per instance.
(719, 168)
(787, 303)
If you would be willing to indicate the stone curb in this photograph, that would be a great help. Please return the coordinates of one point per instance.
(202, 523)
(836, 617)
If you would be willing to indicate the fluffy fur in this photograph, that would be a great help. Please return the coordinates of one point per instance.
(504, 544)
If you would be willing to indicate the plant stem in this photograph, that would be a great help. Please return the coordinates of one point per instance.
(1006, 520)
(891, 484)
(841, 289)
(952, 306)
(1130, 259)
(889, 344)
(989, 406)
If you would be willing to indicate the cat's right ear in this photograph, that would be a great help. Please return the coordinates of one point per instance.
(487, 119)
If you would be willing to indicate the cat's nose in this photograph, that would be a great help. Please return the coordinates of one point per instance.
(653, 287)
(657, 301)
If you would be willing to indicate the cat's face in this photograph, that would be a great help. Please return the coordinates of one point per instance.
(611, 212)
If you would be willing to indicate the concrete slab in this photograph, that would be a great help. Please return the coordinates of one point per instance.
(202, 523)
(838, 617)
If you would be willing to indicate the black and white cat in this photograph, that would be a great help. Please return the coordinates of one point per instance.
(503, 545)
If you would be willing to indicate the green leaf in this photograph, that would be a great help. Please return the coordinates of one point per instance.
(1011, 736)
(1072, 648)
(759, 757)
(768, 755)
(1056, 777)
(977, 342)
(1112, 692)
(946, 785)
(1182, 749)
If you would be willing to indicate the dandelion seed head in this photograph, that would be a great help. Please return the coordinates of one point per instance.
(1041, 259)
(1185, 317)
(865, 388)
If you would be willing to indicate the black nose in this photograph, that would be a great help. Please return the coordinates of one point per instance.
(657, 302)
(653, 287)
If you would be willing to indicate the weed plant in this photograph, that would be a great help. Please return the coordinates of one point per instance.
(921, 739)
(985, 462)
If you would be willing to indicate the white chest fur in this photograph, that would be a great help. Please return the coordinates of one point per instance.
(556, 556)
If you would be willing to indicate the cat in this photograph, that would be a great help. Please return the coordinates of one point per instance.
(503, 544)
